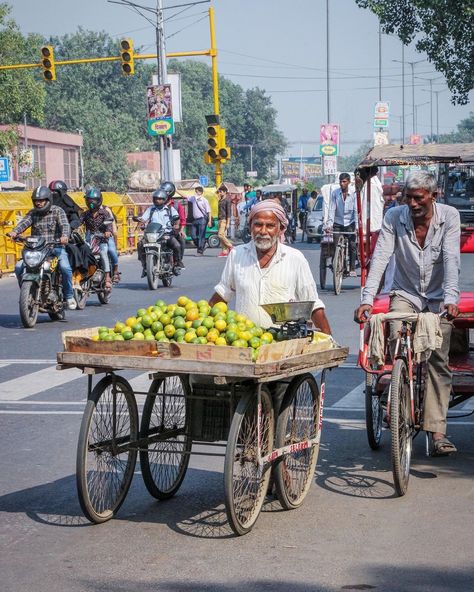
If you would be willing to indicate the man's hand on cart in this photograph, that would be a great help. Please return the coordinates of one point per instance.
(362, 314)
(452, 311)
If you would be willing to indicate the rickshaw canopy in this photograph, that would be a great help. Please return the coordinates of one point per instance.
(408, 154)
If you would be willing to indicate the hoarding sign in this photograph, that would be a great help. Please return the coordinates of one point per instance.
(330, 165)
(380, 138)
(160, 110)
(329, 134)
(4, 169)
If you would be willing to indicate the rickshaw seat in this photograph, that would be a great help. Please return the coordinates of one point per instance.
(466, 308)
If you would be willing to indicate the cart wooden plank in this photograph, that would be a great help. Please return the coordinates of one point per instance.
(262, 372)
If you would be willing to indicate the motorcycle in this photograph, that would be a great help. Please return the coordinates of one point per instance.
(41, 288)
(159, 259)
(93, 282)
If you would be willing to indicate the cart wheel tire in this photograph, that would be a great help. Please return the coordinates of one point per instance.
(151, 276)
(245, 483)
(400, 426)
(104, 475)
(298, 421)
(373, 413)
(164, 463)
(213, 241)
(28, 308)
(338, 269)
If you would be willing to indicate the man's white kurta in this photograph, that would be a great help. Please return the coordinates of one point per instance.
(287, 278)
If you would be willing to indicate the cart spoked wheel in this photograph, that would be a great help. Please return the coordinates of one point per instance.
(373, 412)
(338, 268)
(166, 426)
(245, 480)
(298, 422)
(107, 448)
(400, 426)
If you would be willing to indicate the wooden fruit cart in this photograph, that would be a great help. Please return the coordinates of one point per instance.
(269, 412)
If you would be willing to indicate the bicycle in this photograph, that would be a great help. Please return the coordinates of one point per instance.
(335, 255)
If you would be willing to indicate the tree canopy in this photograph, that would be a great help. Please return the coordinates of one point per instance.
(444, 30)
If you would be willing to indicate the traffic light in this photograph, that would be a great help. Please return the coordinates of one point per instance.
(223, 149)
(213, 133)
(47, 61)
(126, 56)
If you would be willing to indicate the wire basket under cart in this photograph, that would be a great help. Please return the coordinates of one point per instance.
(266, 416)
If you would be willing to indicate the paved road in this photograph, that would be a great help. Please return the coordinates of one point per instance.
(351, 533)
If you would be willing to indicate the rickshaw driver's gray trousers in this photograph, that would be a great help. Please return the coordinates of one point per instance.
(438, 380)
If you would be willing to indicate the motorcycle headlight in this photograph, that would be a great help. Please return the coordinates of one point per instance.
(32, 258)
(151, 237)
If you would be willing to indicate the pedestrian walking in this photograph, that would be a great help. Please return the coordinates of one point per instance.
(201, 217)
(224, 215)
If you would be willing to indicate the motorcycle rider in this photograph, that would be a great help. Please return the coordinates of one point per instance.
(179, 225)
(63, 200)
(97, 220)
(161, 213)
(50, 222)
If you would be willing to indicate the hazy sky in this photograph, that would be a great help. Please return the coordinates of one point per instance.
(279, 46)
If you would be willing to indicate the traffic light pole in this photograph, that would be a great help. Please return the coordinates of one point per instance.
(215, 83)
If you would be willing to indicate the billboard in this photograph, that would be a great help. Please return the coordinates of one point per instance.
(160, 110)
(297, 167)
(381, 114)
(329, 135)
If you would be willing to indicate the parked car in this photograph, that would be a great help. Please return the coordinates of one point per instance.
(314, 222)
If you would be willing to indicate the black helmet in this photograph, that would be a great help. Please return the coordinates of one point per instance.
(58, 186)
(169, 188)
(42, 193)
(160, 197)
(93, 198)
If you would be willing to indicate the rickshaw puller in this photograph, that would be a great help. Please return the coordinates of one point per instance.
(424, 237)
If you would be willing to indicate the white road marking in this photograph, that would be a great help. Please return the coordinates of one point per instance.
(36, 382)
(353, 399)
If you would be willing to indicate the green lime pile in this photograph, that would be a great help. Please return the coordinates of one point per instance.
(189, 322)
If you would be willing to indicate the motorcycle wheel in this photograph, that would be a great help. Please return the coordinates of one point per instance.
(213, 241)
(58, 316)
(152, 278)
(28, 306)
(80, 295)
(167, 281)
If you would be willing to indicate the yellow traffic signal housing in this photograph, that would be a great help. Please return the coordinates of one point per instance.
(223, 149)
(127, 57)
(47, 62)
(213, 134)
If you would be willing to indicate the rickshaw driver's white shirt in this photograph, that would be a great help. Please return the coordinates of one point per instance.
(286, 278)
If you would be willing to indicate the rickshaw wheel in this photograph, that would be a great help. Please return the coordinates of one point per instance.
(373, 412)
(400, 426)
(164, 462)
(298, 421)
(105, 459)
(338, 268)
(323, 267)
(245, 482)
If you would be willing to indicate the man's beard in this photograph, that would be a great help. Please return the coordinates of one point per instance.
(265, 242)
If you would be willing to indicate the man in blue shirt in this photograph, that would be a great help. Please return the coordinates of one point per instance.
(342, 216)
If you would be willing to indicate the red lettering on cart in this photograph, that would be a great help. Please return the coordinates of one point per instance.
(299, 446)
(273, 455)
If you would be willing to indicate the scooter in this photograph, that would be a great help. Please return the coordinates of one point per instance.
(41, 288)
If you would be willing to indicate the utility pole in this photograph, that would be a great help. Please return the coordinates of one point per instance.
(327, 64)
(380, 61)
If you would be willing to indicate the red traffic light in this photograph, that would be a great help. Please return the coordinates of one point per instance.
(125, 44)
(46, 52)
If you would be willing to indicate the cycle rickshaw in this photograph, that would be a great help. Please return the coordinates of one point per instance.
(269, 412)
(402, 379)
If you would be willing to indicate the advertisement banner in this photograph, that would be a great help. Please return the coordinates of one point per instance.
(329, 134)
(160, 110)
(4, 169)
(381, 138)
(330, 165)
(296, 167)
(381, 114)
(416, 139)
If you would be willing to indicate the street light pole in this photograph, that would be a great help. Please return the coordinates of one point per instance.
(327, 64)
(166, 149)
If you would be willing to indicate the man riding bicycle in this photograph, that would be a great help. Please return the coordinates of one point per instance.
(342, 216)
(50, 222)
(424, 238)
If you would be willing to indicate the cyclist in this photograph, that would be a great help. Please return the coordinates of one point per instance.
(303, 207)
(424, 238)
(342, 216)
(50, 222)
(161, 213)
(97, 219)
